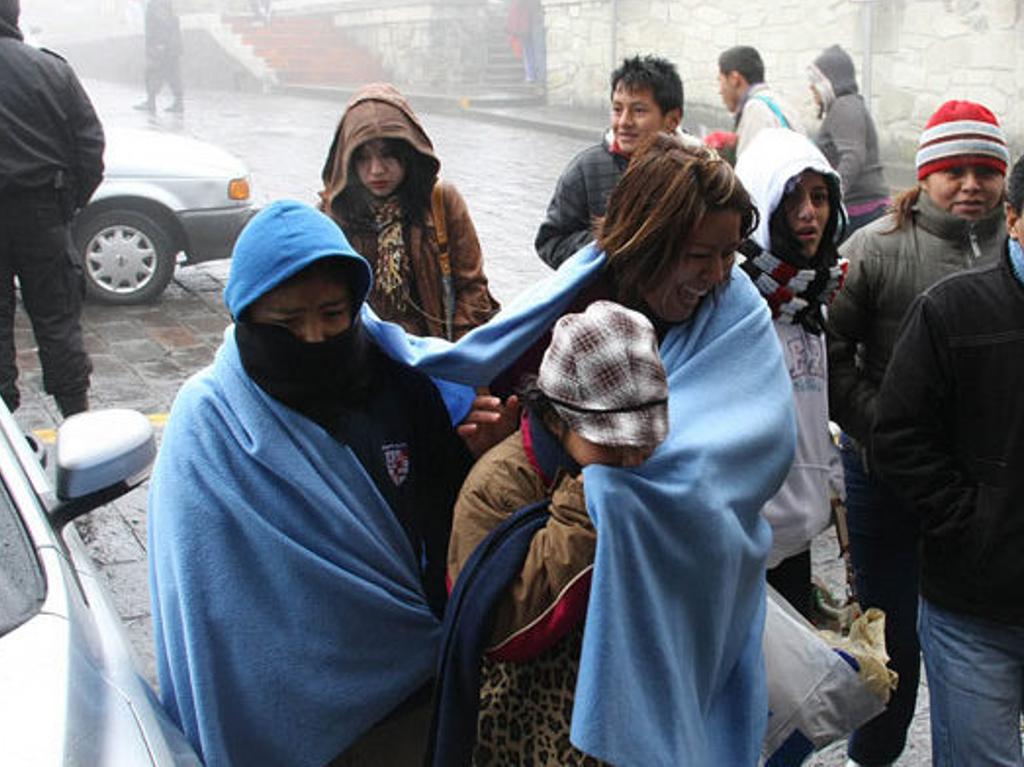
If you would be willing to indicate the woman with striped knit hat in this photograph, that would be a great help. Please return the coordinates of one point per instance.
(951, 220)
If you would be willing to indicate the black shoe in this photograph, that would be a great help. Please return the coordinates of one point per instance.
(69, 404)
(145, 106)
(177, 106)
(38, 449)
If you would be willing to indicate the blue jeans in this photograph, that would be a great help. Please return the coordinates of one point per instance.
(883, 546)
(975, 685)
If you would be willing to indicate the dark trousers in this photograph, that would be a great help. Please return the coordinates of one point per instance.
(163, 68)
(883, 545)
(35, 247)
(792, 579)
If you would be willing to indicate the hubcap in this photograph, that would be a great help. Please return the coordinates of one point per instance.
(121, 259)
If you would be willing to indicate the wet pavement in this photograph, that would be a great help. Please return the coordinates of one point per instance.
(142, 354)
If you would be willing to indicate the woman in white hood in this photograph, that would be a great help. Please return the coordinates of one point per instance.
(793, 260)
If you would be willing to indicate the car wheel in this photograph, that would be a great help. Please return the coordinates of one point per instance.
(128, 258)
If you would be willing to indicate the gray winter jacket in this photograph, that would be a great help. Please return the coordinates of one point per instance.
(888, 270)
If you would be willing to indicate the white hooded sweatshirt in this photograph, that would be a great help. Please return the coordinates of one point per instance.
(801, 509)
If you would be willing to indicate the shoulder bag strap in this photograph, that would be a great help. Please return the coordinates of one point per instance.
(775, 110)
(444, 260)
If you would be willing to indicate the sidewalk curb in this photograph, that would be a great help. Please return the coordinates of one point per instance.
(465, 105)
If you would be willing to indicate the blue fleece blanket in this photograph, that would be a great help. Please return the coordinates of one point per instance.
(284, 589)
(672, 669)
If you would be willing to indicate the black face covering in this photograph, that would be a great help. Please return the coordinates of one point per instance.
(317, 379)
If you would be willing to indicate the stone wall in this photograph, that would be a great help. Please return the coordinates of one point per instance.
(422, 44)
(923, 53)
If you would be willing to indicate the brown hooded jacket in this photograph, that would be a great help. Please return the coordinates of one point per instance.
(379, 111)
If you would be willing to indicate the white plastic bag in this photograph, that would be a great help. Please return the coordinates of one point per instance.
(815, 695)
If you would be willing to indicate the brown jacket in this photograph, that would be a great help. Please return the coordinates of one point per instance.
(549, 596)
(379, 111)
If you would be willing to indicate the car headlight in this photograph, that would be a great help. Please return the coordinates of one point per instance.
(238, 189)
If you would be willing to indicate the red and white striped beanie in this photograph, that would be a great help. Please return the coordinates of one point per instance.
(961, 133)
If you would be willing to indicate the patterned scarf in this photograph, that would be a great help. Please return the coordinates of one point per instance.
(391, 272)
(794, 294)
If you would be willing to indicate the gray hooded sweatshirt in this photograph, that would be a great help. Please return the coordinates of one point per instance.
(847, 136)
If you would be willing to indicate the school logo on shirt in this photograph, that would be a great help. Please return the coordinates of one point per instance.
(396, 459)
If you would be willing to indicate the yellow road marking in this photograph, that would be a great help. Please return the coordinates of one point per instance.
(49, 436)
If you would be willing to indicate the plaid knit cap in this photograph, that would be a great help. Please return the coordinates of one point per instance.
(961, 133)
(604, 377)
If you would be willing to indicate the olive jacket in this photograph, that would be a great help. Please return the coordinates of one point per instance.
(888, 270)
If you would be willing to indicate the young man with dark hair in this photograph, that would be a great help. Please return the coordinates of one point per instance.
(646, 99)
(747, 96)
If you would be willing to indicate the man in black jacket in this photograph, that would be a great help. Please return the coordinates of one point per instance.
(51, 161)
(949, 437)
(647, 98)
(163, 55)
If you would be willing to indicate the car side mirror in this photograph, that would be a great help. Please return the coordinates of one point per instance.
(101, 455)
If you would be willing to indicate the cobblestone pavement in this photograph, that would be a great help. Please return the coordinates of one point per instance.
(142, 354)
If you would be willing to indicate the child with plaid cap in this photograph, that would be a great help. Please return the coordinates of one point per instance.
(600, 396)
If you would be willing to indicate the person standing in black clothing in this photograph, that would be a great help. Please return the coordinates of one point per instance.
(163, 55)
(947, 438)
(51, 161)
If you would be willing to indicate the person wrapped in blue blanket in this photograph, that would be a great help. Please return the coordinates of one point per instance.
(600, 397)
(299, 516)
(671, 670)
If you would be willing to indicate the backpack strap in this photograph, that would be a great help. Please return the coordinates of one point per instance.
(444, 259)
(775, 110)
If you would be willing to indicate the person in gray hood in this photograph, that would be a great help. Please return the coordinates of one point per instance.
(848, 138)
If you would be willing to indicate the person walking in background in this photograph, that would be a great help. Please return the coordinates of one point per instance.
(381, 186)
(848, 138)
(525, 26)
(952, 220)
(949, 436)
(792, 259)
(51, 161)
(748, 98)
(646, 99)
(163, 55)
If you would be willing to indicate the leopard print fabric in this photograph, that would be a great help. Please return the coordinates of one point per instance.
(526, 710)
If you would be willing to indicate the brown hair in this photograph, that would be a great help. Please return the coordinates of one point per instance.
(902, 205)
(661, 199)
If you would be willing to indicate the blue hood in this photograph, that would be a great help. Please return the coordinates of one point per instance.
(279, 242)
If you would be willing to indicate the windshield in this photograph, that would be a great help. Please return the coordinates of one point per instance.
(22, 586)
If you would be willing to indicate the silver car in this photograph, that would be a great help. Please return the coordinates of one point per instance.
(163, 194)
(70, 693)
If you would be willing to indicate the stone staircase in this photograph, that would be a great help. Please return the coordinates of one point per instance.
(307, 49)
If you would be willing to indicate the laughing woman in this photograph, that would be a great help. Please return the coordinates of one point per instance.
(674, 618)
(381, 186)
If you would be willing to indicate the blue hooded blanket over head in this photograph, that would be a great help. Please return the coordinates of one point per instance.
(287, 607)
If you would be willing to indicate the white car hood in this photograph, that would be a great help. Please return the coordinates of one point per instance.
(133, 153)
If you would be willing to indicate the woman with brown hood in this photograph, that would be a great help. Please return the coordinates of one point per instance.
(381, 186)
